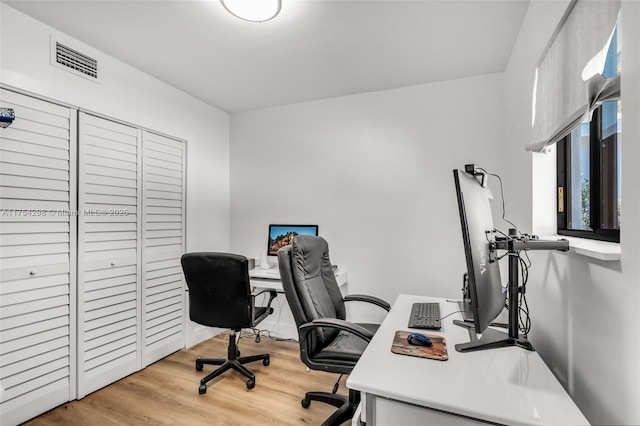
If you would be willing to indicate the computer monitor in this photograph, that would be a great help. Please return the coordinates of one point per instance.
(281, 235)
(484, 288)
(483, 285)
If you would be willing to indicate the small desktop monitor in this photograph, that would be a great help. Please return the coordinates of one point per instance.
(281, 235)
(486, 294)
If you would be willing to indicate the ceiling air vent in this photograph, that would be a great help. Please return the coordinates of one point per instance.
(67, 58)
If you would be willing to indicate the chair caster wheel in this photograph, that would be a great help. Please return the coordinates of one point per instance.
(258, 338)
(305, 403)
(265, 362)
(199, 366)
(202, 389)
(251, 383)
(238, 353)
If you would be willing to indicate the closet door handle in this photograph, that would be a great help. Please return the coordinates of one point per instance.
(33, 272)
(113, 263)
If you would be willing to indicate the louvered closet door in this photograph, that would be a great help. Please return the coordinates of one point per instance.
(109, 253)
(163, 239)
(37, 258)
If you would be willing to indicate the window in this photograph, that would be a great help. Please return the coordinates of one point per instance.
(589, 169)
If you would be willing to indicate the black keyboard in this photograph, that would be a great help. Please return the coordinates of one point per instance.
(425, 315)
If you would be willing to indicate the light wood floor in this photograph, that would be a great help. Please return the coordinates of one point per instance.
(166, 393)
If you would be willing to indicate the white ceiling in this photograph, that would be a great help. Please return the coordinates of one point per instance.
(314, 49)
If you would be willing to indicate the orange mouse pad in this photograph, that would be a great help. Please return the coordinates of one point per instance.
(438, 350)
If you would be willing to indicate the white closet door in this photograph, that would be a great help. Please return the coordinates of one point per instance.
(37, 258)
(109, 253)
(163, 238)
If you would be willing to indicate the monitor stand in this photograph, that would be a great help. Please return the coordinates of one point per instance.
(264, 262)
(490, 338)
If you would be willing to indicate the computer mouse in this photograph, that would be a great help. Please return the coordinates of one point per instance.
(418, 339)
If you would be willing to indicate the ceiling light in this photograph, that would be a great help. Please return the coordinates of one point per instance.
(253, 10)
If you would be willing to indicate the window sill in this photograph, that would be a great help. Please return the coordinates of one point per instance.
(601, 250)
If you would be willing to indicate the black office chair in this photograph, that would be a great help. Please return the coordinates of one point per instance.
(327, 341)
(220, 296)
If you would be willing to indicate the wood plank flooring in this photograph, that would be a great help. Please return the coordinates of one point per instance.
(166, 393)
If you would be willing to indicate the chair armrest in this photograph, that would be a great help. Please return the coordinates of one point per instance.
(272, 295)
(272, 292)
(369, 299)
(339, 324)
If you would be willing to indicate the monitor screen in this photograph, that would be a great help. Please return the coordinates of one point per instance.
(484, 286)
(281, 235)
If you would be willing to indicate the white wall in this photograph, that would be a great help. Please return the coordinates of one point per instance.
(130, 95)
(375, 172)
(584, 310)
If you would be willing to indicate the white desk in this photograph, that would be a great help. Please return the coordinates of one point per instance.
(281, 323)
(270, 278)
(508, 386)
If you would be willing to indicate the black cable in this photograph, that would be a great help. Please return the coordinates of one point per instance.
(448, 315)
(267, 333)
(502, 257)
(502, 196)
(508, 237)
(335, 387)
(524, 317)
(526, 253)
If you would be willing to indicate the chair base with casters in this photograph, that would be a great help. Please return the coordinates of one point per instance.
(346, 406)
(233, 361)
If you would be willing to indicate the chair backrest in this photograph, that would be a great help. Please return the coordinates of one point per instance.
(219, 290)
(310, 285)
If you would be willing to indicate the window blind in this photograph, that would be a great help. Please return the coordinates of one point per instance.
(562, 96)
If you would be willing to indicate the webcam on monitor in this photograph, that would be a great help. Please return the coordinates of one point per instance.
(474, 170)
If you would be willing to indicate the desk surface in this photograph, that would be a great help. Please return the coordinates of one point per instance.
(270, 278)
(507, 385)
